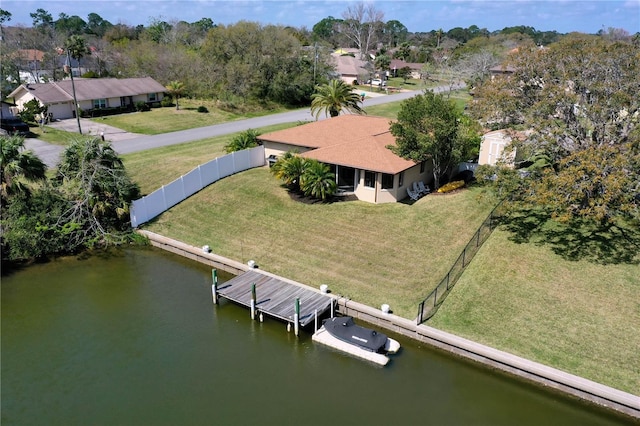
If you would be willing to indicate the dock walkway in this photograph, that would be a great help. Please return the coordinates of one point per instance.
(275, 297)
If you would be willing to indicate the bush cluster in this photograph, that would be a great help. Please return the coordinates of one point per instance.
(451, 186)
(142, 106)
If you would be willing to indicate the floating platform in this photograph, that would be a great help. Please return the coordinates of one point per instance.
(275, 297)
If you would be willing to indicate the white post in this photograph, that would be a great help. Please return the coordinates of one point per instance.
(296, 317)
(214, 286)
(316, 323)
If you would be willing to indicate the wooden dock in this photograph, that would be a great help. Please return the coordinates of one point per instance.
(275, 297)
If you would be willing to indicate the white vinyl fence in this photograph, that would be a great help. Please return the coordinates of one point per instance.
(150, 206)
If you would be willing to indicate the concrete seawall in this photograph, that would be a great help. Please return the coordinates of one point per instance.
(547, 376)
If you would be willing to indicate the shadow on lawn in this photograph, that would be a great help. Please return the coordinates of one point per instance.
(577, 240)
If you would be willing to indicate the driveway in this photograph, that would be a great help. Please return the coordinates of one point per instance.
(96, 128)
(50, 153)
(126, 143)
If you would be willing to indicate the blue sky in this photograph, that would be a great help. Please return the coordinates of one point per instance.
(417, 15)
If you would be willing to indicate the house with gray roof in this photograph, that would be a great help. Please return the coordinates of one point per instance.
(91, 94)
(349, 68)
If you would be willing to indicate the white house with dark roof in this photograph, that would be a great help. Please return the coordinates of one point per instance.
(91, 93)
(355, 146)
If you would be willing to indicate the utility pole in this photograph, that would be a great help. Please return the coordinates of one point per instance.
(315, 61)
(73, 89)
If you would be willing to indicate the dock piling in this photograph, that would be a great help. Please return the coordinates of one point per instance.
(214, 286)
(253, 301)
(296, 317)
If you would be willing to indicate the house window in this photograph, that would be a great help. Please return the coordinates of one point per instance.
(151, 97)
(422, 166)
(99, 103)
(387, 181)
(369, 179)
(400, 179)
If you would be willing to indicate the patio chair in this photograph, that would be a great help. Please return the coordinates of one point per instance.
(424, 189)
(417, 190)
(413, 195)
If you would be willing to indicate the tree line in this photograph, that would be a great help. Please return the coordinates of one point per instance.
(248, 62)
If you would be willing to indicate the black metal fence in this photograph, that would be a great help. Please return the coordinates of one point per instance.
(429, 306)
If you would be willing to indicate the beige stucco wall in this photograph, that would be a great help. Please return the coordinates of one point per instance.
(277, 149)
(365, 193)
(371, 195)
(397, 193)
(23, 99)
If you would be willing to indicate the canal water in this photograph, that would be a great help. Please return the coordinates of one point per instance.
(133, 339)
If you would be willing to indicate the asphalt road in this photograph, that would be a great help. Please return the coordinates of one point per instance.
(126, 144)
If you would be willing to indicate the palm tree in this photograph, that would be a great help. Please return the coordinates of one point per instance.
(318, 180)
(17, 166)
(332, 98)
(94, 176)
(77, 47)
(278, 167)
(290, 169)
(175, 89)
(245, 140)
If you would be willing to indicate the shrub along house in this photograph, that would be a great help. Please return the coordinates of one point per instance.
(94, 95)
(355, 147)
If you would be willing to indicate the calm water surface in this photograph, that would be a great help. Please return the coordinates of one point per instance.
(133, 339)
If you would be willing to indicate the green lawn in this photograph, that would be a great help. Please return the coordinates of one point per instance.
(374, 254)
(580, 317)
(576, 316)
(169, 119)
(53, 136)
(390, 110)
(152, 169)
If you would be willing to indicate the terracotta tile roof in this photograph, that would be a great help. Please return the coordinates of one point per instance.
(347, 140)
(30, 54)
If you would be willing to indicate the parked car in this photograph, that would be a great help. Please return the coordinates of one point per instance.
(377, 82)
(14, 126)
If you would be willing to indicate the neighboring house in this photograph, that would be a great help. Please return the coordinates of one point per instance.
(416, 68)
(349, 68)
(492, 149)
(501, 71)
(31, 66)
(91, 94)
(355, 147)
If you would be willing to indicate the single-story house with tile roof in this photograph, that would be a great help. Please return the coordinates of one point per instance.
(349, 68)
(416, 68)
(91, 93)
(355, 147)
